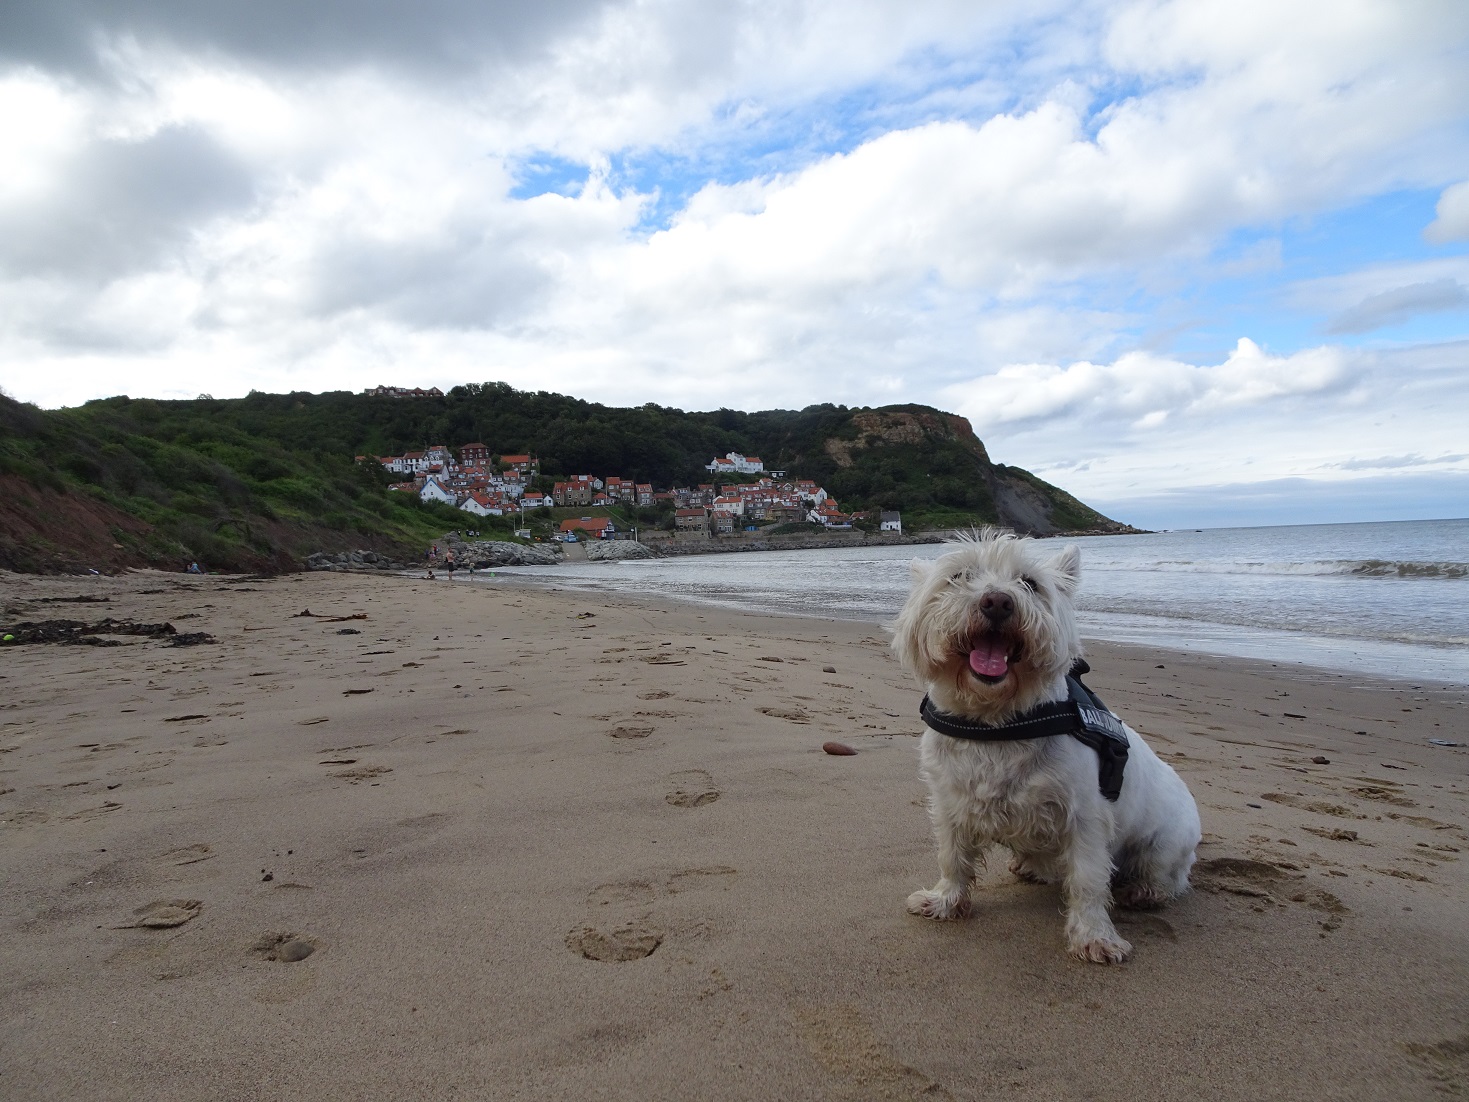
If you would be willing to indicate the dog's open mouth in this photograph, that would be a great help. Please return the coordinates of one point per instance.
(992, 655)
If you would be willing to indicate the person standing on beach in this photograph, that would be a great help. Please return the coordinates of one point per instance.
(449, 564)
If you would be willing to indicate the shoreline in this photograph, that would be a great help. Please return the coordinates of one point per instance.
(545, 843)
(1248, 650)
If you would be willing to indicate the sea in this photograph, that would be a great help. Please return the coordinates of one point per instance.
(1388, 599)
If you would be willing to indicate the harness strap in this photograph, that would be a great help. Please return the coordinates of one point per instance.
(1082, 715)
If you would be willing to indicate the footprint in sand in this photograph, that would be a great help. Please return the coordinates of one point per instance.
(1136, 924)
(163, 914)
(362, 773)
(1324, 901)
(630, 731)
(845, 1043)
(284, 948)
(1320, 807)
(622, 936)
(1268, 884)
(692, 788)
(637, 892)
(1238, 876)
(1381, 794)
(632, 941)
(1445, 1062)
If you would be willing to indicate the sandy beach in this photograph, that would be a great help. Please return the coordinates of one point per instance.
(478, 841)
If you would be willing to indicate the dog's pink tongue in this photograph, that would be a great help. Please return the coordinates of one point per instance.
(991, 658)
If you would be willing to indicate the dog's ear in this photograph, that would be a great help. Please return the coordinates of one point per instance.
(1067, 566)
(918, 569)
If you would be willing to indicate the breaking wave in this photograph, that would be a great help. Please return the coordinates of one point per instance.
(1355, 568)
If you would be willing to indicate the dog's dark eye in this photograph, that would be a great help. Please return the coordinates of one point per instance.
(959, 576)
(1030, 583)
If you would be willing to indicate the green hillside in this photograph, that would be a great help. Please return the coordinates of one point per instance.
(120, 482)
(258, 482)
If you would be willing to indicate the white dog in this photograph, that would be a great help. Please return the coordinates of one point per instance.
(990, 630)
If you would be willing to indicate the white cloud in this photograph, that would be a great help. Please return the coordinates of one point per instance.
(1452, 221)
(1146, 389)
(1401, 304)
(1144, 425)
(1381, 294)
(40, 124)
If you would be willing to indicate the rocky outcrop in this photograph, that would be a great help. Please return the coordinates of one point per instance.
(616, 551)
(484, 554)
(352, 562)
(480, 554)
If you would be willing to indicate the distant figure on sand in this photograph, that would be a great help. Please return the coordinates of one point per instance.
(194, 568)
(449, 562)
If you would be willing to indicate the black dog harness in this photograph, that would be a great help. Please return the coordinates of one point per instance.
(1082, 715)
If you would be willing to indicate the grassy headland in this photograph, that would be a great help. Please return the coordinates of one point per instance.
(258, 482)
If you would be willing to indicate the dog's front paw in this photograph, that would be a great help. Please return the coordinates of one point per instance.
(932, 903)
(1102, 950)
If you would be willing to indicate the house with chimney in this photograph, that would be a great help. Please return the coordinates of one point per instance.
(577, 490)
(483, 505)
(474, 455)
(692, 523)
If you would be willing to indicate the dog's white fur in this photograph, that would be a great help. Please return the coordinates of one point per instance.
(1039, 797)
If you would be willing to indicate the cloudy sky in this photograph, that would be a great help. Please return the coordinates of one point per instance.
(1198, 261)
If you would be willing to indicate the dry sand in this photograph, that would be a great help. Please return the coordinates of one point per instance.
(463, 811)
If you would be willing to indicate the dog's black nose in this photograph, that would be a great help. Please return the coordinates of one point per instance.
(997, 607)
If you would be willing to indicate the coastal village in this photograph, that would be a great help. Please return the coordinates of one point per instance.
(741, 495)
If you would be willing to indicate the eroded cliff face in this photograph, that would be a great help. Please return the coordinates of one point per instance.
(931, 444)
(904, 427)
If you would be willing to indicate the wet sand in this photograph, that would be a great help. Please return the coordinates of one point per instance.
(505, 843)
